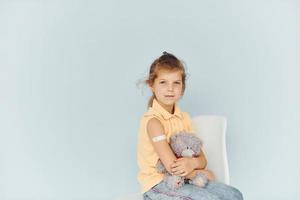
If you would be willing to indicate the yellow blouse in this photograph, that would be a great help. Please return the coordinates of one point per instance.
(146, 155)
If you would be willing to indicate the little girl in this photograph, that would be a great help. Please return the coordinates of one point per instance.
(164, 118)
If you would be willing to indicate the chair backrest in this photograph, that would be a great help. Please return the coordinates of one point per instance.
(212, 130)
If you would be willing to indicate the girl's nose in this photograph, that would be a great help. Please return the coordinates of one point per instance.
(170, 88)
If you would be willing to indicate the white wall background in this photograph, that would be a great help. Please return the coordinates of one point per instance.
(70, 109)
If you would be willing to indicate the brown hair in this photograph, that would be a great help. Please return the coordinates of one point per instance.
(167, 61)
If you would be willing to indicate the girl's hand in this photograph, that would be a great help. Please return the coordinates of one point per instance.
(183, 166)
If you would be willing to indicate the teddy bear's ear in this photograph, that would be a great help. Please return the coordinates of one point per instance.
(201, 142)
(196, 144)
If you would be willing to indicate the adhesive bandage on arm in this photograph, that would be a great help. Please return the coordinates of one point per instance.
(159, 138)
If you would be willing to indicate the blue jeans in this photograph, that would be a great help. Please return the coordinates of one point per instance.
(212, 191)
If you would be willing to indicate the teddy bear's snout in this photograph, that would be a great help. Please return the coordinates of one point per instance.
(187, 152)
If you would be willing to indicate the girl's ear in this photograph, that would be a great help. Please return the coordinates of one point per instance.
(151, 87)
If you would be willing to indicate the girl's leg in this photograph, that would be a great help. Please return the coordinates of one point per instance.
(161, 192)
(186, 192)
(146, 197)
(224, 191)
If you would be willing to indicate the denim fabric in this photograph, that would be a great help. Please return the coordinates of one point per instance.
(212, 191)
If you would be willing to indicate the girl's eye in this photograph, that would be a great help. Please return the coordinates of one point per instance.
(162, 82)
(178, 83)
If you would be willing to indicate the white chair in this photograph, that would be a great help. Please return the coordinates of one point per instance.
(211, 129)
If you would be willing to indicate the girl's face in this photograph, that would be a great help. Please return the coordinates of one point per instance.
(167, 87)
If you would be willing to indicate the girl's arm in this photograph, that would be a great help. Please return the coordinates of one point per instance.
(200, 161)
(183, 166)
(162, 148)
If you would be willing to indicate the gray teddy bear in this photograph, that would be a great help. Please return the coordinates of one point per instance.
(183, 145)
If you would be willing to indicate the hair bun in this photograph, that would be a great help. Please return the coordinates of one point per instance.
(165, 53)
